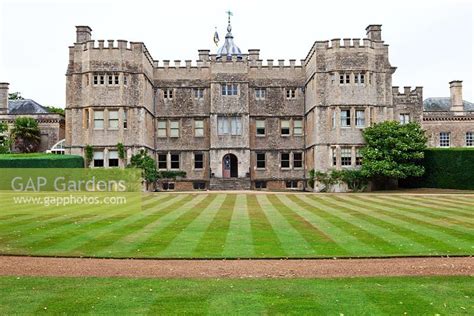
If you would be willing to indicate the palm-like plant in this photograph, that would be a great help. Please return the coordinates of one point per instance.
(26, 134)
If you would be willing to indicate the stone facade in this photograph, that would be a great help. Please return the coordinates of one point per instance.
(51, 125)
(231, 120)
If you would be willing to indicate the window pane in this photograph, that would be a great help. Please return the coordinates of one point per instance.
(469, 139)
(360, 118)
(113, 115)
(297, 127)
(285, 160)
(174, 161)
(346, 156)
(345, 118)
(198, 161)
(162, 161)
(297, 160)
(261, 160)
(199, 124)
(236, 126)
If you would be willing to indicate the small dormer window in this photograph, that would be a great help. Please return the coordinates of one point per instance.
(260, 93)
(198, 93)
(291, 93)
(359, 78)
(168, 94)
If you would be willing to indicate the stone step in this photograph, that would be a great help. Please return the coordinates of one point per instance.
(230, 184)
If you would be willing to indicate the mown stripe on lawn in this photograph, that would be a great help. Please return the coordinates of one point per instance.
(68, 244)
(100, 216)
(404, 296)
(72, 216)
(321, 242)
(468, 199)
(434, 212)
(423, 216)
(50, 233)
(212, 242)
(131, 243)
(454, 209)
(455, 236)
(50, 214)
(186, 240)
(437, 207)
(420, 234)
(265, 240)
(239, 242)
(290, 239)
(249, 302)
(155, 236)
(458, 200)
(330, 225)
(386, 239)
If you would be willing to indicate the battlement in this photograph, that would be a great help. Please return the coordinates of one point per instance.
(116, 45)
(205, 62)
(373, 41)
(407, 91)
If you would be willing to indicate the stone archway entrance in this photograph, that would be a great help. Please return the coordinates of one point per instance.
(230, 166)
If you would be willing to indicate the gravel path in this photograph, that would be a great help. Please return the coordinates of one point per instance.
(292, 268)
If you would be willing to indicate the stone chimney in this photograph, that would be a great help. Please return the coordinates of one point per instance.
(374, 32)
(254, 54)
(455, 88)
(203, 54)
(83, 34)
(3, 97)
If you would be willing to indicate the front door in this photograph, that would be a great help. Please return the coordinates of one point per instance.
(229, 166)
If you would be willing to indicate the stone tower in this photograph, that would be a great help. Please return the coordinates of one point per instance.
(348, 87)
(109, 96)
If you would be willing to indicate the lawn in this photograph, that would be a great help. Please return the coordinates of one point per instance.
(354, 296)
(216, 225)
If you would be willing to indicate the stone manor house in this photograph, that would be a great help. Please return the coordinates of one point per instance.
(231, 120)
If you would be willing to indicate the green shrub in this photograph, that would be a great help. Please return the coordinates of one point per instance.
(446, 168)
(354, 178)
(89, 153)
(40, 160)
(121, 151)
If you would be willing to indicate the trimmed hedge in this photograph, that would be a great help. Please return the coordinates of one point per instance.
(40, 160)
(446, 168)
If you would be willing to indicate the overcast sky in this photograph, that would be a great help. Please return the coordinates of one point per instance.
(431, 42)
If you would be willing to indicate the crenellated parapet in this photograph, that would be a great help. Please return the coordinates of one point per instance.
(409, 102)
(408, 93)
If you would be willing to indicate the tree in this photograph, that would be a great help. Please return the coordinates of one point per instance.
(26, 134)
(5, 141)
(15, 96)
(53, 109)
(147, 164)
(393, 150)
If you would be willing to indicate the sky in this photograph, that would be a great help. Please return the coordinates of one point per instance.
(431, 42)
